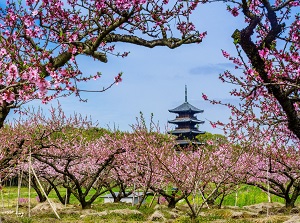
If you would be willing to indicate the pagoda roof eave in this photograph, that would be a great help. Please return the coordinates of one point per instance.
(186, 107)
(174, 121)
(180, 131)
(186, 142)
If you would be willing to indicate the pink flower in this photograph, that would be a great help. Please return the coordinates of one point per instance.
(43, 86)
(202, 35)
(8, 96)
(3, 52)
(118, 78)
(225, 54)
(12, 73)
(204, 96)
(235, 12)
(263, 53)
(33, 74)
(210, 142)
(214, 125)
(34, 12)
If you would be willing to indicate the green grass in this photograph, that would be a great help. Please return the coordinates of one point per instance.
(247, 195)
(10, 195)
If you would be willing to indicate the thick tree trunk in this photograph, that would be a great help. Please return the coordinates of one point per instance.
(4, 111)
(172, 202)
(42, 198)
(289, 203)
(117, 199)
(85, 205)
(290, 200)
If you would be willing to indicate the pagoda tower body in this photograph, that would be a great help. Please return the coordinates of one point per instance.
(186, 121)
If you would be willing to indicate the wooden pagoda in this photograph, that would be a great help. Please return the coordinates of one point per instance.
(186, 121)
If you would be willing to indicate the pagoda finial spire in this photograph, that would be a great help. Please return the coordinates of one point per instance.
(185, 93)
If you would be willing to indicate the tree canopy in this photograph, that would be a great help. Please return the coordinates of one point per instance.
(268, 54)
(40, 41)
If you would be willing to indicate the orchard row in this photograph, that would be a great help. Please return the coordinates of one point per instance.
(70, 152)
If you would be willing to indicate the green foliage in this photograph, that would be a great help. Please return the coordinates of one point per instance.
(94, 133)
(209, 136)
(146, 210)
(248, 195)
(187, 219)
(26, 220)
(88, 134)
(183, 219)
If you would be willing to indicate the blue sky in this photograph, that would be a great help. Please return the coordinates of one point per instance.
(154, 79)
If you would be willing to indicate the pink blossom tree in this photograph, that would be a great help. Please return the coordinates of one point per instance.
(82, 167)
(41, 40)
(136, 167)
(11, 148)
(224, 157)
(47, 178)
(139, 167)
(272, 164)
(124, 172)
(268, 53)
(266, 122)
(58, 146)
(158, 166)
(60, 138)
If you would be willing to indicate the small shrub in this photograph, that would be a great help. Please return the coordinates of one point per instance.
(25, 220)
(183, 219)
(146, 210)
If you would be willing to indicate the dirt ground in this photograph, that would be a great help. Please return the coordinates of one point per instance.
(259, 213)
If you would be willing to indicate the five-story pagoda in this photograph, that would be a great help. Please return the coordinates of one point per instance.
(186, 121)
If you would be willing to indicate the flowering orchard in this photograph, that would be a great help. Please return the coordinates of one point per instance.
(39, 45)
(145, 160)
(41, 39)
(64, 155)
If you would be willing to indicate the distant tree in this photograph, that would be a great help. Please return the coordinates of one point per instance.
(209, 138)
(174, 175)
(224, 156)
(11, 148)
(64, 154)
(83, 167)
(271, 163)
(40, 41)
(47, 179)
(139, 168)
